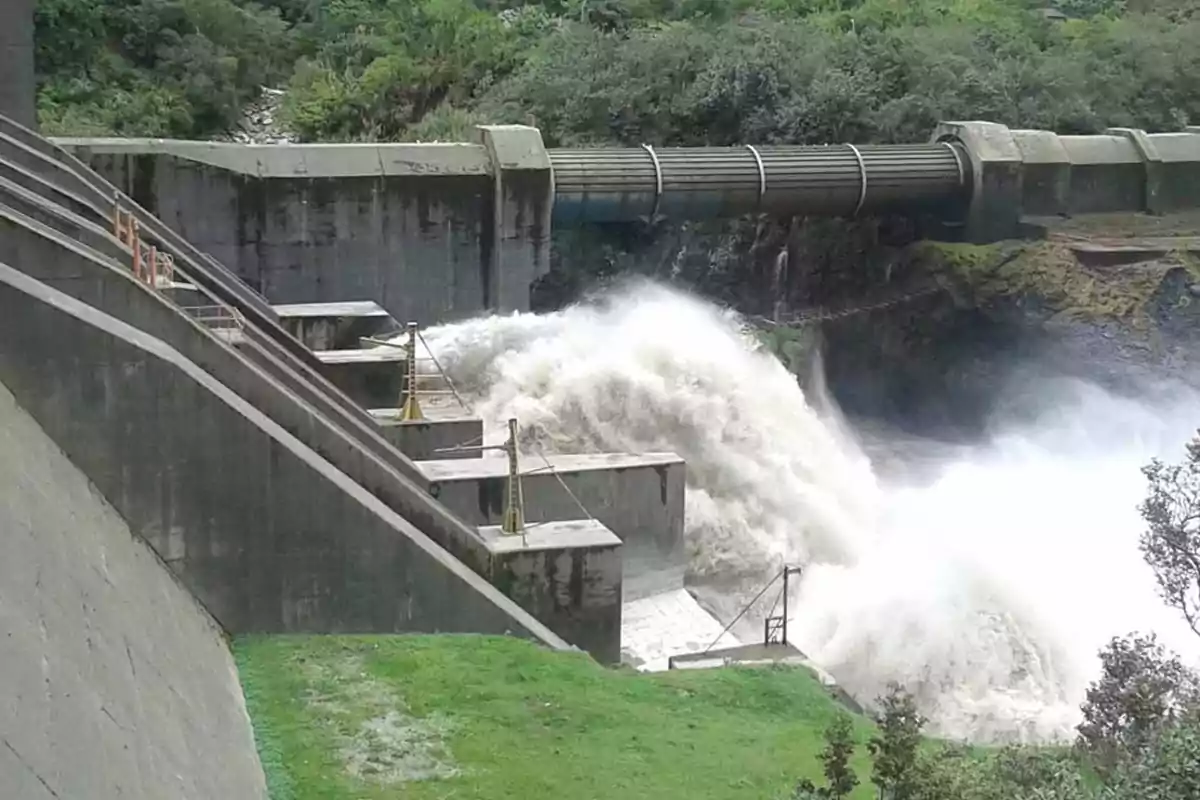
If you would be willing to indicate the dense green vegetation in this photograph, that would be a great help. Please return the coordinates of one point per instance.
(659, 71)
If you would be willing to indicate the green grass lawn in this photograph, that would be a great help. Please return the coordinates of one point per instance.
(357, 717)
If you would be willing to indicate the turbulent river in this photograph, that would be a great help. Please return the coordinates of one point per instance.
(982, 576)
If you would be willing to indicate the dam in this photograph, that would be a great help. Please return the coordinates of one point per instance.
(435, 232)
(205, 359)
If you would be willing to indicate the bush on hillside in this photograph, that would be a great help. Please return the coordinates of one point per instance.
(631, 71)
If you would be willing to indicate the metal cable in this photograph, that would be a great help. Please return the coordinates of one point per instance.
(537, 448)
(445, 376)
(472, 442)
(817, 314)
(563, 483)
(742, 613)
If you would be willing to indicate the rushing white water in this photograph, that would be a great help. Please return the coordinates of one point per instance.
(986, 588)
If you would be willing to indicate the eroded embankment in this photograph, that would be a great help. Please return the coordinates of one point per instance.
(114, 682)
(1120, 310)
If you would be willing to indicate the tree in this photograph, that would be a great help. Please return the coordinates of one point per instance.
(839, 748)
(1171, 542)
(895, 747)
(1169, 769)
(835, 760)
(1141, 691)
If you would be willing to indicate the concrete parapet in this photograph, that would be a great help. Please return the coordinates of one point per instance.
(336, 326)
(341, 160)
(1107, 174)
(1153, 174)
(640, 498)
(1178, 186)
(1046, 167)
(15, 167)
(569, 571)
(31, 205)
(266, 533)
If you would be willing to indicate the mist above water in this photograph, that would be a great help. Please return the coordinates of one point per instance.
(985, 581)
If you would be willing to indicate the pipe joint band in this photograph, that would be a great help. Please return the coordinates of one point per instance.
(962, 173)
(658, 180)
(862, 175)
(762, 173)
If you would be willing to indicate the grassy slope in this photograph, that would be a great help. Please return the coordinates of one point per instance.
(517, 721)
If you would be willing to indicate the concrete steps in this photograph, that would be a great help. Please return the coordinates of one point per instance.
(431, 437)
(640, 498)
(336, 326)
(372, 377)
(336, 445)
(567, 570)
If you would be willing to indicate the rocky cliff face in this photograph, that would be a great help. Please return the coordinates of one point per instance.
(1116, 302)
(924, 334)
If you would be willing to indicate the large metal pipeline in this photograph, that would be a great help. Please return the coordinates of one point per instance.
(624, 184)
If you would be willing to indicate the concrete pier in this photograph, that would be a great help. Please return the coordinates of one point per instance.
(372, 376)
(572, 564)
(640, 498)
(336, 326)
(431, 438)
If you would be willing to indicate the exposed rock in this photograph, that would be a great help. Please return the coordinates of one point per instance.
(1117, 310)
(260, 123)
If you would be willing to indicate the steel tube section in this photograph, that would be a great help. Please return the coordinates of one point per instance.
(624, 184)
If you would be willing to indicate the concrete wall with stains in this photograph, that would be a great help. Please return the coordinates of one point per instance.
(430, 232)
(114, 681)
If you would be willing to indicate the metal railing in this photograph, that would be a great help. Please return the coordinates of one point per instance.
(156, 268)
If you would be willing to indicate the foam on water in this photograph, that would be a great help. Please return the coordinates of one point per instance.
(986, 589)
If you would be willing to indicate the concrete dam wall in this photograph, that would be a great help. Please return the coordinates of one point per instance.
(266, 533)
(420, 229)
(437, 232)
(267, 563)
(114, 681)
